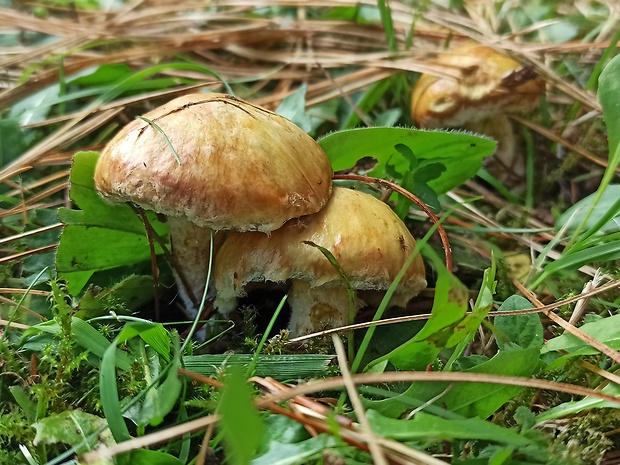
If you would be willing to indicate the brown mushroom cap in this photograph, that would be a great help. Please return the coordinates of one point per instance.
(489, 83)
(368, 240)
(242, 166)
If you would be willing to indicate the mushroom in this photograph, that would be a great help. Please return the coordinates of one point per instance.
(367, 239)
(239, 167)
(487, 86)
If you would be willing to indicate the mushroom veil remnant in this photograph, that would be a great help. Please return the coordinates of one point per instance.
(485, 86)
(239, 167)
(367, 239)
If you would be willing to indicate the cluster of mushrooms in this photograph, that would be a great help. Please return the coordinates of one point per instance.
(217, 166)
(263, 189)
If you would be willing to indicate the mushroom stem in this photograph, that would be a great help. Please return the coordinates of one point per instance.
(317, 308)
(191, 246)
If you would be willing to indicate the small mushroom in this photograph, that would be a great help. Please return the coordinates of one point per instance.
(487, 85)
(239, 167)
(367, 239)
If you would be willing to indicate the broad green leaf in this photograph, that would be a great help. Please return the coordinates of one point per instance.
(605, 330)
(160, 397)
(241, 424)
(523, 331)
(295, 453)
(424, 426)
(459, 152)
(100, 236)
(286, 442)
(482, 399)
(154, 334)
(75, 428)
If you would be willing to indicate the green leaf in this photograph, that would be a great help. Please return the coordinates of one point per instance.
(587, 403)
(154, 334)
(241, 424)
(482, 399)
(148, 457)
(75, 428)
(280, 367)
(100, 236)
(608, 95)
(465, 330)
(605, 330)
(605, 216)
(85, 336)
(459, 152)
(366, 103)
(524, 331)
(293, 108)
(605, 252)
(286, 442)
(126, 296)
(28, 406)
(104, 74)
(424, 426)
(449, 308)
(12, 142)
(109, 395)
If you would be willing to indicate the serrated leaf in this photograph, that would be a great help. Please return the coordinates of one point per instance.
(460, 153)
(132, 292)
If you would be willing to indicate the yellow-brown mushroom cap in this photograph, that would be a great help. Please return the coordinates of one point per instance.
(486, 83)
(242, 167)
(368, 240)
